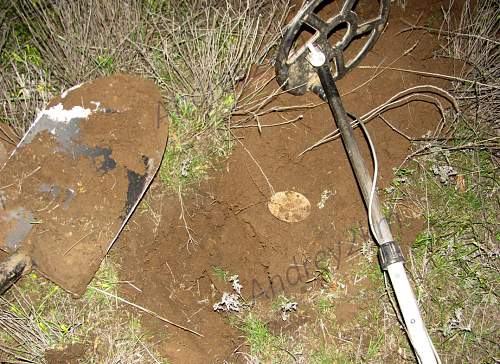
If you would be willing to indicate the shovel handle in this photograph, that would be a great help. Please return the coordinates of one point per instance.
(12, 268)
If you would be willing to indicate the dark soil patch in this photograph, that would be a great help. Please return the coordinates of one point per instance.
(229, 218)
(69, 355)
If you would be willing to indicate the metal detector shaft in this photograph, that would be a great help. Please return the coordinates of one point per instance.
(390, 253)
(352, 149)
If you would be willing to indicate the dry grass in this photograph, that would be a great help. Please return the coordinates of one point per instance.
(47, 51)
(475, 42)
(94, 45)
(196, 51)
(200, 61)
(37, 316)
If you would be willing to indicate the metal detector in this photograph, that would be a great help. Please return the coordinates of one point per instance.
(315, 65)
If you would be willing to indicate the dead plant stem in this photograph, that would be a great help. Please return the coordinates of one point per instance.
(146, 310)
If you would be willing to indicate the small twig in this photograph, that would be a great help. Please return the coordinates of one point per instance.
(271, 188)
(78, 241)
(288, 352)
(435, 75)
(7, 136)
(131, 285)
(379, 70)
(149, 352)
(256, 106)
(260, 126)
(148, 311)
(279, 109)
(417, 93)
(444, 32)
(240, 210)
(20, 181)
(394, 128)
(171, 272)
(191, 240)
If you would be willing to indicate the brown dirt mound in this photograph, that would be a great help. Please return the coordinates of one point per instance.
(229, 218)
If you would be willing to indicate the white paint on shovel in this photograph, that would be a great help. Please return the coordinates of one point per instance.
(59, 114)
(58, 121)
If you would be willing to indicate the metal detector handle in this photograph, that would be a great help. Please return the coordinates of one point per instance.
(415, 326)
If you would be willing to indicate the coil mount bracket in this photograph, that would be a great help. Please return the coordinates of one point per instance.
(294, 72)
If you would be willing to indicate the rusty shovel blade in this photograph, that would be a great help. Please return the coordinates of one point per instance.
(69, 187)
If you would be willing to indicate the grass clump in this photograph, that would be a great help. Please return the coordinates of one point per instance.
(328, 356)
(454, 187)
(258, 336)
(455, 259)
(37, 317)
(220, 273)
(263, 345)
(200, 65)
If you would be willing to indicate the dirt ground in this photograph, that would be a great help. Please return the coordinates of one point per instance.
(228, 214)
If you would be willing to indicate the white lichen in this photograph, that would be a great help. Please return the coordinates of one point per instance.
(367, 250)
(444, 172)
(287, 308)
(235, 282)
(185, 167)
(325, 195)
(230, 302)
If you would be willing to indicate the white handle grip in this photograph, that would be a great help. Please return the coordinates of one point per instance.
(419, 338)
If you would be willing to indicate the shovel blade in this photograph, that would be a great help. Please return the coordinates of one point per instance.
(77, 175)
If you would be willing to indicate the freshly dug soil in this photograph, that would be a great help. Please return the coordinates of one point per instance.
(229, 217)
(69, 355)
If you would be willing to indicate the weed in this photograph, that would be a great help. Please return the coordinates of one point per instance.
(457, 256)
(257, 334)
(328, 356)
(279, 302)
(458, 250)
(454, 261)
(220, 273)
(323, 273)
(203, 65)
(324, 304)
(105, 64)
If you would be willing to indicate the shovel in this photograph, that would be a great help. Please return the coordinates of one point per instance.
(73, 181)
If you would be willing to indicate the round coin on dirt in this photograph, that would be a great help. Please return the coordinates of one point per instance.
(289, 206)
